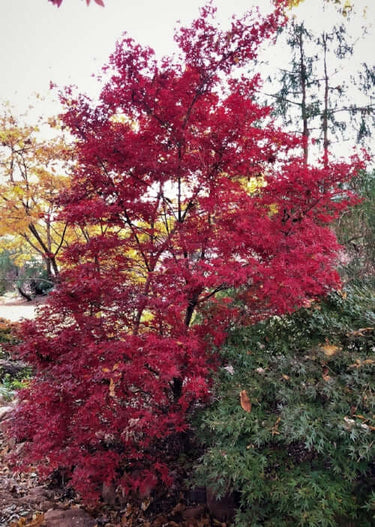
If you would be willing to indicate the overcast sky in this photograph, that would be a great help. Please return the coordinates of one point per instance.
(40, 43)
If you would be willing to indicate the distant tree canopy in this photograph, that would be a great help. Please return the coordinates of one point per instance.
(32, 175)
(345, 6)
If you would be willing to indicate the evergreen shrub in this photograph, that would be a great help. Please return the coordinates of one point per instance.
(297, 447)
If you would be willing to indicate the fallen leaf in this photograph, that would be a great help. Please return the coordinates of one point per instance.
(275, 428)
(145, 504)
(359, 332)
(330, 349)
(245, 401)
(349, 423)
(358, 363)
(205, 522)
(112, 388)
(178, 508)
(38, 519)
(20, 523)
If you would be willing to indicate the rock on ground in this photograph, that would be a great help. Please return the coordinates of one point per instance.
(68, 518)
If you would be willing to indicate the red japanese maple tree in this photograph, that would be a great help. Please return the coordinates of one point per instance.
(199, 212)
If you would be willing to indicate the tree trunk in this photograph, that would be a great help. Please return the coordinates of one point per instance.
(326, 101)
(303, 81)
(24, 294)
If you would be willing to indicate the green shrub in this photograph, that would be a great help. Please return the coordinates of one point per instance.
(20, 374)
(10, 385)
(303, 455)
(7, 333)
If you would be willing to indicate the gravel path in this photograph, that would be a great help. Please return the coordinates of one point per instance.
(15, 309)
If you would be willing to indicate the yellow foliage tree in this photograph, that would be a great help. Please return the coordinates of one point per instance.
(30, 181)
(344, 6)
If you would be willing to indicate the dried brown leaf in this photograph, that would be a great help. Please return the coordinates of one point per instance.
(112, 388)
(360, 332)
(275, 428)
(245, 401)
(330, 349)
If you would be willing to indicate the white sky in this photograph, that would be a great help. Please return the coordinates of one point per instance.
(40, 43)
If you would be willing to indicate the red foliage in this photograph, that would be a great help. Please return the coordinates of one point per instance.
(177, 249)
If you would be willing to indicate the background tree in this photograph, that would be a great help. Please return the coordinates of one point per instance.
(329, 109)
(295, 92)
(8, 272)
(181, 250)
(356, 230)
(315, 98)
(345, 7)
(22, 272)
(30, 182)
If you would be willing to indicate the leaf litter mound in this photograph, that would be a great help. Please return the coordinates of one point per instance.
(26, 502)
